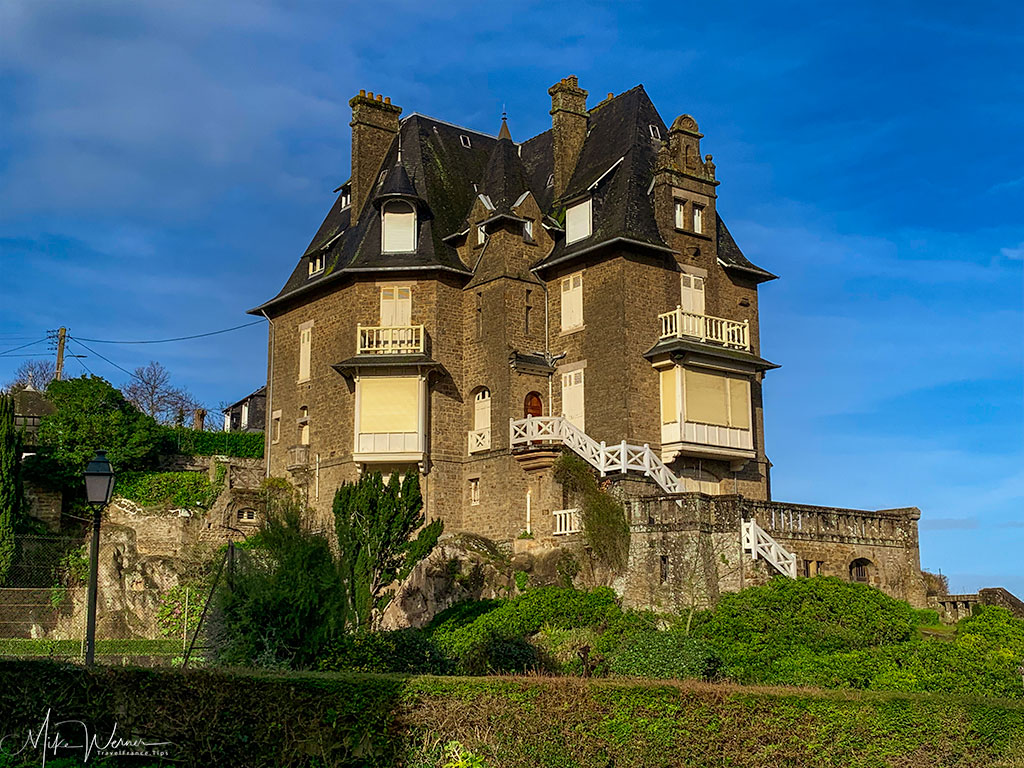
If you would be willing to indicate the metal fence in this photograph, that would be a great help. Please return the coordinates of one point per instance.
(148, 606)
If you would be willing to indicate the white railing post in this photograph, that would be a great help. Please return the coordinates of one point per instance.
(622, 457)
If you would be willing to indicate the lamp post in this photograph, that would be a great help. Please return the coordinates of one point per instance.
(99, 486)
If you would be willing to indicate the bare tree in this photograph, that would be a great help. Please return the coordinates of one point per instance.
(151, 391)
(38, 372)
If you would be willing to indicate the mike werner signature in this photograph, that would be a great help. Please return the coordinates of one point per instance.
(76, 735)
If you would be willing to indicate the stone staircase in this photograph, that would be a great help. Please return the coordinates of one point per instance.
(623, 458)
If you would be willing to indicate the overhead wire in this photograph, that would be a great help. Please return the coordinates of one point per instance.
(23, 346)
(177, 338)
(101, 357)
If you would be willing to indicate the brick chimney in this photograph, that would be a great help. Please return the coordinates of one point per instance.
(568, 127)
(374, 125)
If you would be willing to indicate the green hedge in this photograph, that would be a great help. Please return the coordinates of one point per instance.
(189, 490)
(263, 720)
(191, 442)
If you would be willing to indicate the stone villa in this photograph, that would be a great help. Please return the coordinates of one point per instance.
(472, 306)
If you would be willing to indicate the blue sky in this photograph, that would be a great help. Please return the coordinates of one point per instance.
(163, 164)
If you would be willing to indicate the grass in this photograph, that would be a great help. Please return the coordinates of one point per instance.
(72, 648)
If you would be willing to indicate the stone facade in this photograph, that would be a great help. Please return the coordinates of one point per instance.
(486, 285)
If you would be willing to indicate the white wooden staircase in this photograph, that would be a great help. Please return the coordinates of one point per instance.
(624, 458)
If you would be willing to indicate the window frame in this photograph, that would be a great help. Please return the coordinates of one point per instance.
(575, 291)
(474, 491)
(388, 210)
(573, 232)
(305, 372)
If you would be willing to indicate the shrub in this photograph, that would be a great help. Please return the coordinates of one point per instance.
(476, 646)
(665, 655)
(192, 442)
(181, 608)
(926, 617)
(936, 584)
(568, 651)
(186, 490)
(407, 651)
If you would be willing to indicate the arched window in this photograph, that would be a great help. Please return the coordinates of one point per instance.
(860, 570)
(482, 409)
(700, 481)
(533, 405)
(398, 228)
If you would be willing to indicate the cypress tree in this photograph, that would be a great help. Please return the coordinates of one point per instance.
(10, 484)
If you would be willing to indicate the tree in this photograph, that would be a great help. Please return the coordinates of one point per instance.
(150, 390)
(39, 373)
(10, 484)
(91, 415)
(374, 524)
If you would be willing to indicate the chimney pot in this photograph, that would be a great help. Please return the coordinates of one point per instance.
(387, 99)
(362, 91)
(370, 94)
(379, 97)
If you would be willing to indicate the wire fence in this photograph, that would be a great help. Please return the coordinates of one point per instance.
(148, 606)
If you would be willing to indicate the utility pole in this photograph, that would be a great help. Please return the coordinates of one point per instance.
(61, 333)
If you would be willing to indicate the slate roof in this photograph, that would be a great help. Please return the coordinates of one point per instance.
(732, 257)
(615, 166)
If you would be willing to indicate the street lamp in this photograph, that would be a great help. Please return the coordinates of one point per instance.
(99, 487)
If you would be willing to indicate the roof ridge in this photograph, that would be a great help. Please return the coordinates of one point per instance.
(450, 125)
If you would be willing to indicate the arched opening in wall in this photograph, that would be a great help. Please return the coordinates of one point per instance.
(700, 481)
(480, 430)
(533, 405)
(860, 570)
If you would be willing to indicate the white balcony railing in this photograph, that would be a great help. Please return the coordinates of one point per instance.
(389, 340)
(480, 440)
(678, 324)
(759, 544)
(566, 521)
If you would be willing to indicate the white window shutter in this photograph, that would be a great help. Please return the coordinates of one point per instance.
(399, 227)
(482, 410)
(572, 398)
(578, 221)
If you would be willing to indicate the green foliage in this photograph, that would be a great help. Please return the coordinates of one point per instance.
(460, 757)
(11, 492)
(665, 655)
(184, 490)
(216, 718)
(374, 524)
(754, 628)
(604, 520)
(72, 570)
(180, 609)
(926, 617)
(286, 602)
(91, 415)
(522, 579)
(495, 640)
(406, 651)
(936, 584)
(192, 442)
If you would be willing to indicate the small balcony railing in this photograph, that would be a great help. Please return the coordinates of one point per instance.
(480, 440)
(298, 456)
(389, 340)
(678, 324)
(566, 521)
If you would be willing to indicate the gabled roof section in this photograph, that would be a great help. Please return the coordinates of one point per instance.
(615, 166)
(504, 180)
(732, 257)
(337, 220)
(396, 184)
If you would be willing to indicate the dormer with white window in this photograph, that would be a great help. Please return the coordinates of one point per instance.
(579, 221)
(400, 212)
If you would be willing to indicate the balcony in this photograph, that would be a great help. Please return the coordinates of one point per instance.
(678, 324)
(389, 340)
(480, 440)
(298, 457)
(567, 521)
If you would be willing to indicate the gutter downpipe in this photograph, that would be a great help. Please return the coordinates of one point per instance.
(270, 395)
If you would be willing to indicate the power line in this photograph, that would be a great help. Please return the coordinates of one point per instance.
(179, 338)
(30, 344)
(90, 349)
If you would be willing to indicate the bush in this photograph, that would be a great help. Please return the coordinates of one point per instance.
(407, 651)
(183, 490)
(192, 442)
(926, 617)
(665, 655)
(754, 628)
(476, 647)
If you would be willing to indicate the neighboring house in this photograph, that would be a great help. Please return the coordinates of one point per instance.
(471, 306)
(247, 415)
(30, 405)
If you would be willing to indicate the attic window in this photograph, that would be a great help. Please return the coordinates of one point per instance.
(578, 221)
(528, 230)
(346, 198)
(316, 264)
(551, 180)
(465, 141)
(481, 234)
(398, 229)
(655, 131)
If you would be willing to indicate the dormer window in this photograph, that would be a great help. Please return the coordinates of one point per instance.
(481, 234)
(398, 228)
(316, 264)
(578, 221)
(346, 198)
(465, 141)
(655, 132)
(528, 230)
(383, 175)
(551, 180)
